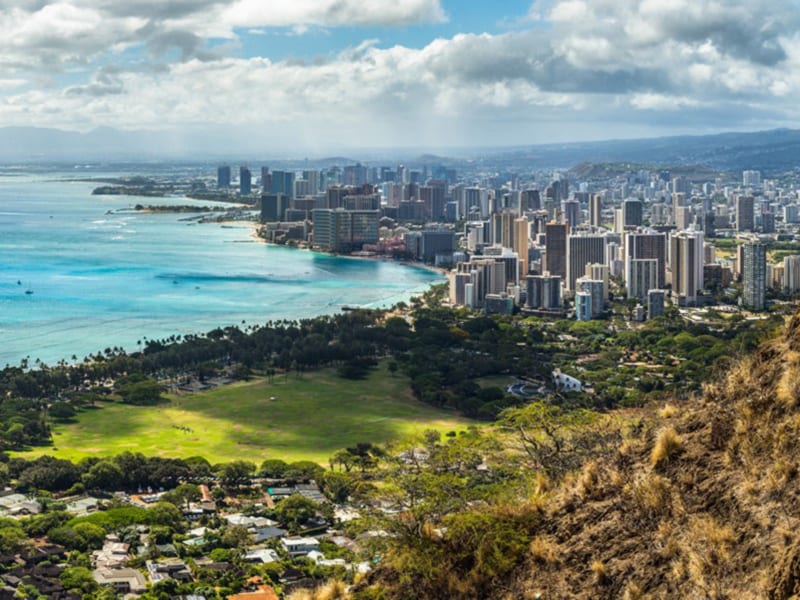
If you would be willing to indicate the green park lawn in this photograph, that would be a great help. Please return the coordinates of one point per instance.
(310, 418)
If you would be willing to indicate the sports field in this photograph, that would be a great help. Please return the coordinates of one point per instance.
(309, 418)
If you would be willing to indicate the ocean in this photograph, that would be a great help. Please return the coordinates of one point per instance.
(100, 275)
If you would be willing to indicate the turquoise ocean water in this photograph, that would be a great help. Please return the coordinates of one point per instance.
(102, 279)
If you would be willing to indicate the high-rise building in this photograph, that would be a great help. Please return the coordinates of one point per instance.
(341, 230)
(596, 210)
(678, 201)
(223, 177)
(791, 274)
(754, 275)
(632, 213)
(476, 203)
(751, 178)
(313, 179)
(683, 217)
(686, 263)
(556, 249)
(593, 287)
(681, 185)
(543, 292)
(435, 242)
(530, 200)
(646, 244)
(522, 235)
(583, 306)
(745, 213)
(283, 183)
(266, 180)
(583, 250)
(273, 207)
(642, 277)
(599, 272)
(433, 195)
(655, 303)
(245, 181)
(572, 212)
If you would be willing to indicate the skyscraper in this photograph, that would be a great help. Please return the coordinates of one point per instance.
(686, 263)
(583, 306)
(642, 277)
(646, 244)
(791, 274)
(745, 213)
(556, 249)
(245, 181)
(543, 292)
(583, 250)
(522, 234)
(596, 210)
(223, 177)
(572, 212)
(655, 303)
(632, 213)
(283, 183)
(754, 275)
(593, 287)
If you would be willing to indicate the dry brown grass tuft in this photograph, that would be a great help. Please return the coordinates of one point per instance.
(589, 481)
(544, 550)
(787, 390)
(708, 554)
(541, 483)
(599, 572)
(667, 447)
(669, 411)
(632, 591)
(332, 590)
(650, 498)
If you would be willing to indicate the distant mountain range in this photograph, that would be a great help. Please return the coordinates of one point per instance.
(769, 151)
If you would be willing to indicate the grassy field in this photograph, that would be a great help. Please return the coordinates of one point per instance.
(309, 419)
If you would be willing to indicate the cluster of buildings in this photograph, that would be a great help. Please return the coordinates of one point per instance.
(652, 235)
(544, 243)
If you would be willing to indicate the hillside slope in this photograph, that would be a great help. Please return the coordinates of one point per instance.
(698, 499)
(702, 501)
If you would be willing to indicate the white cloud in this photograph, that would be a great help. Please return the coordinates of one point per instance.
(614, 62)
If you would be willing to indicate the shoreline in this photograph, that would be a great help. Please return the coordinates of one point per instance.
(375, 257)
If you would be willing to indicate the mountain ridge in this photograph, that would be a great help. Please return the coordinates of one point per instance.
(771, 150)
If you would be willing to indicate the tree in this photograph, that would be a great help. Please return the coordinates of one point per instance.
(61, 411)
(104, 475)
(392, 366)
(236, 536)
(273, 468)
(296, 510)
(236, 473)
(558, 440)
(11, 539)
(183, 494)
(79, 579)
(167, 514)
(143, 393)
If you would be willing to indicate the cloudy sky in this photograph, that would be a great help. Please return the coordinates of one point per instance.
(321, 74)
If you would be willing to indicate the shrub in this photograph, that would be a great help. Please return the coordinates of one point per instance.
(667, 447)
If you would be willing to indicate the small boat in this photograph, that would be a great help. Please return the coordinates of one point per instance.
(29, 291)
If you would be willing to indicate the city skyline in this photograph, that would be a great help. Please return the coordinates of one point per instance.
(433, 73)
